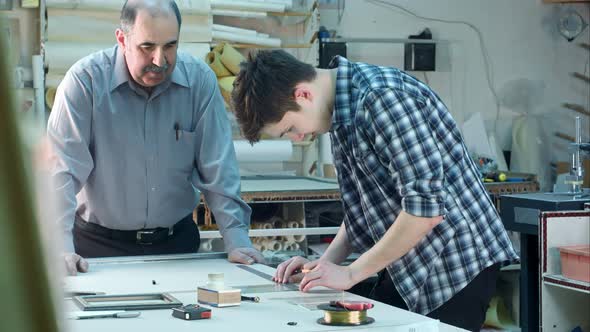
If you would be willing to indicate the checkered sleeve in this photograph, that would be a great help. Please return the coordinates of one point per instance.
(403, 139)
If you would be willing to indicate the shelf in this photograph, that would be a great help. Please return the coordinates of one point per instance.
(577, 108)
(582, 77)
(561, 281)
(238, 45)
(277, 232)
(370, 40)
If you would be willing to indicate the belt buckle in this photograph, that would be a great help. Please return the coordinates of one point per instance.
(140, 234)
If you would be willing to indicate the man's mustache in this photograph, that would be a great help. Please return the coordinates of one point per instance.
(156, 69)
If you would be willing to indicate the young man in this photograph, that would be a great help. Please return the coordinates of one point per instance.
(413, 201)
(135, 129)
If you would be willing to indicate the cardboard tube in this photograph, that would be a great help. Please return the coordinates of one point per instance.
(273, 245)
(231, 59)
(292, 247)
(213, 59)
(226, 85)
(206, 246)
(50, 96)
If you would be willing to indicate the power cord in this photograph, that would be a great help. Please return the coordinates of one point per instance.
(486, 58)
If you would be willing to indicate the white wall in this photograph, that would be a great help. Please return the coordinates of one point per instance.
(522, 43)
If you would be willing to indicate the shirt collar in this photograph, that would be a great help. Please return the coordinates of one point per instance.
(342, 104)
(121, 73)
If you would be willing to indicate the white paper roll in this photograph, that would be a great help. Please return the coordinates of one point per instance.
(206, 246)
(237, 13)
(263, 151)
(246, 39)
(247, 6)
(220, 27)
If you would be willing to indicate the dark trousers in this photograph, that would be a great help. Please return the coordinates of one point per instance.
(467, 309)
(90, 243)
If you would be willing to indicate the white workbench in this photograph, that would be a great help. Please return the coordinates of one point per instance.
(180, 275)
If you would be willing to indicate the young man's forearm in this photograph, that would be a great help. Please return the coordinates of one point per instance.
(405, 233)
(339, 249)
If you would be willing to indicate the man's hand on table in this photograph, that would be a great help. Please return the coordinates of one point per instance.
(74, 263)
(246, 255)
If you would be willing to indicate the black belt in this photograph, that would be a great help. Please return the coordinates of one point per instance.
(144, 236)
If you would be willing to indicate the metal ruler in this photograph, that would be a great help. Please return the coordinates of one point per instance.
(265, 288)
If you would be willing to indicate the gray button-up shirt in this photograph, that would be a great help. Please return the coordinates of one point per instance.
(120, 161)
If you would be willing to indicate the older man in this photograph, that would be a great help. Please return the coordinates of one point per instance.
(136, 130)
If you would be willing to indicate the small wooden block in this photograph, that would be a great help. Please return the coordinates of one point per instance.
(226, 297)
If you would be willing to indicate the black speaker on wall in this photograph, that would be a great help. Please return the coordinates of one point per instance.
(329, 50)
(420, 56)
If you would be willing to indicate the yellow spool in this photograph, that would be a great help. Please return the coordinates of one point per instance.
(213, 59)
(50, 96)
(226, 85)
(231, 59)
(338, 316)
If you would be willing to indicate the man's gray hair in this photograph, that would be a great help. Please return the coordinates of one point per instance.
(131, 7)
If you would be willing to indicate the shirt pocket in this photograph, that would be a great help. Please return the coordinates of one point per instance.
(182, 151)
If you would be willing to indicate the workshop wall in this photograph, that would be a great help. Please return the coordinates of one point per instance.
(530, 62)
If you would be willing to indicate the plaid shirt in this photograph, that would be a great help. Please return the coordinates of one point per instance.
(396, 147)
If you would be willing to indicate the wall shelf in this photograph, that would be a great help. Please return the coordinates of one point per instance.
(561, 281)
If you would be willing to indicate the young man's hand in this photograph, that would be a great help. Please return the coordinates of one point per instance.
(74, 263)
(327, 274)
(246, 255)
(290, 271)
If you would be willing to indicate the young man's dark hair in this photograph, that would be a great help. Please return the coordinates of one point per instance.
(263, 90)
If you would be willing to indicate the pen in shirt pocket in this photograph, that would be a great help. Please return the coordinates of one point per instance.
(176, 130)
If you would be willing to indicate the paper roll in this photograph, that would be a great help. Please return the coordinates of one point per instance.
(272, 245)
(292, 247)
(279, 223)
(226, 85)
(213, 59)
(263, 151)
(255, 40)
(247, 6)
(231, 59)
(228, 28)
(237, 13)
(206, 246)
